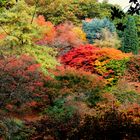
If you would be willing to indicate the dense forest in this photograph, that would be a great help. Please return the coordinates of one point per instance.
(69, 70)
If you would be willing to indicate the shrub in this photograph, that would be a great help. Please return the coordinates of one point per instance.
(80, 57)
(133, 69)
(112, 124)
(51, 129)
(112, 70)
(79, 33)
(15, 129)
(93, 29)
(60, 111)
(67, 37)
(21, 84)
(76, 84)
(63, 37)
(125, 93)
(108, 39)
(106, 62)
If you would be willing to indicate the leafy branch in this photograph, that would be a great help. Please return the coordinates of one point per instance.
(4, 29)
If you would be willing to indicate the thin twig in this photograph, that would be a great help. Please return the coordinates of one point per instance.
(4, 30)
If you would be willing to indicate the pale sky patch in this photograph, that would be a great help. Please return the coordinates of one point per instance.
(122, 3)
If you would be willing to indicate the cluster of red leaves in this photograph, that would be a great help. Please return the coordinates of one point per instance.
(21, 83)
(82, 57)
(88, 57)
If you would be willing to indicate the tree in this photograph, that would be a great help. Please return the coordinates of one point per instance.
(16, 25)
(93, 29)
(19, 34)
(134, 7)
(137, 19)
(130, 36)
(58, 11)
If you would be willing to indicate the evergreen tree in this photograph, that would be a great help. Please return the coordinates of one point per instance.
(93, 29)
(130, 37)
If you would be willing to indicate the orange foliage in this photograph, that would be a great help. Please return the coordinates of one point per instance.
(2, 36)
(65, 33)
(88, 19)
(49, 30)
(113, 53)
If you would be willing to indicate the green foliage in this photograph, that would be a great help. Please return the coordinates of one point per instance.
(43, 55)
(6, 4)
(2, 2)
(86, 9)
(118, 66)
(105, 9)
(93, 97)
(137, 19)
(15, 129)
(125, 93)
(112, 70)
(18, 29)
(60, 111)
(58, 11)
(76, 84)
(130, 37)
(93, 29)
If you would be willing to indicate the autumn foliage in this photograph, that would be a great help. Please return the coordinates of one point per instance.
(133, 72)
(55, 86)
(101, 61)
(64, 37)
(49, 31)
(21, 83)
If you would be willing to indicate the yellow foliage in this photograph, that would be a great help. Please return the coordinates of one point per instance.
(32, 2)
(80, 34)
